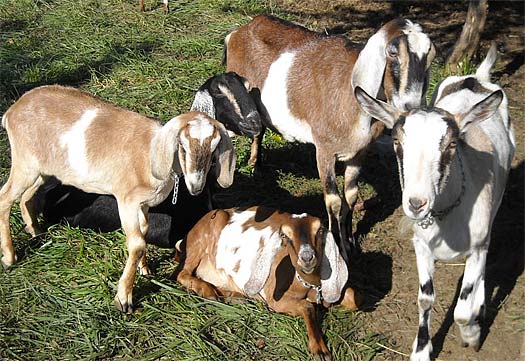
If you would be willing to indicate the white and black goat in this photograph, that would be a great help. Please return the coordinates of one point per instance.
(289, 261)
(228, 98)
(100, 148)
(224, 97)
(454, 160)
(306, 81)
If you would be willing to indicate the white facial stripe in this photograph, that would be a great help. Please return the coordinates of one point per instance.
(237, 245)
(226, 91)
(74, 140)
(203, 102)
(302, 215)
(418, 42)
(200, 128)
(275, 97)
(421, 155)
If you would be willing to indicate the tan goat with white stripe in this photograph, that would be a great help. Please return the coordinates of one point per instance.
(100, 148)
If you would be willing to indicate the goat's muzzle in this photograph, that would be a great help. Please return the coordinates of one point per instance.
(307, 259)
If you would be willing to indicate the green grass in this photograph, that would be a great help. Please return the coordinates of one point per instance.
(57, 302)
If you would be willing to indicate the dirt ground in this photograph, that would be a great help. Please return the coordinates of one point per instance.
(386, 269)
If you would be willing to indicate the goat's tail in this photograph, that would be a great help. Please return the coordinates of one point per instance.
(4, 121)
(483, 71)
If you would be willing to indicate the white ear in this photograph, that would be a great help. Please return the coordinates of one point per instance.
(263, 264)
(163, 148)
(370, 65)
(481, 111)
(334, 271)
(376, 108)
(225, 165)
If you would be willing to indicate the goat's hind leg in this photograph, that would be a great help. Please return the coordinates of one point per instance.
(19, 181)
(200, 287)
(28, 210)
(470, 307)
(350, 188)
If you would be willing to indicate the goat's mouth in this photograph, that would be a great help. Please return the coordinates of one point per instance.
(307, 269)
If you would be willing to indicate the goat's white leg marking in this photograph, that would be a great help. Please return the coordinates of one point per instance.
(74, 140)
(128, 212)
(351, 173)
(28, 210)
(326, 168)
(471, 300)
(422, 346)
(144, 269)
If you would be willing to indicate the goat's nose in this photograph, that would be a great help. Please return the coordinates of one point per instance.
(416, 204)
(307, 255)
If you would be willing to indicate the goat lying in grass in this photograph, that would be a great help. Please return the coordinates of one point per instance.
(454, 160)
(224, 97)
(100, 148)
(306, 83)
(289, 261)
(167, 222)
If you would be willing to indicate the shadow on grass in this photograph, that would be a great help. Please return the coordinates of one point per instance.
(505, 260)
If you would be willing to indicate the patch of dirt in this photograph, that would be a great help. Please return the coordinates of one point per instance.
(386, 270)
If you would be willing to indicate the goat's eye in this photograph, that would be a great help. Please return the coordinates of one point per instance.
(396, 141)
(452, 145)
(391, 52)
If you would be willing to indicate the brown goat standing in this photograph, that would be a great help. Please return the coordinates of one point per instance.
(289, 261)
(306, 82)
(100, 148)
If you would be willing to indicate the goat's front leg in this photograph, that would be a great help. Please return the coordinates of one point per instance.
(200, 287)
(326, 167)
(351, 174)
(316, 344)
(422, 346)
(136, 250)
(255, 160)
(470, 307)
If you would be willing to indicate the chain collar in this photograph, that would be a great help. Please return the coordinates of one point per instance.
(176, 179)
(430, 217)
(317, 289)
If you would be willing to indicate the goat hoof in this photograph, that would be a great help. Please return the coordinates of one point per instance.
(145, 271)
(123, 307)
(323, 357)
(8, 262)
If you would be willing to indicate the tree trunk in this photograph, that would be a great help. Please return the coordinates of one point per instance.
(468, 42)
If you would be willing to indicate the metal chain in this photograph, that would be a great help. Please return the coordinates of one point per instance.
(317, 289)
(175, 189)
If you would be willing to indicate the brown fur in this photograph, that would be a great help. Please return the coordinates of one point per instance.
(284, 293)
(118, 155)
(320, 94)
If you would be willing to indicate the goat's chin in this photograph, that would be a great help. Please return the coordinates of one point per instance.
(307, 271)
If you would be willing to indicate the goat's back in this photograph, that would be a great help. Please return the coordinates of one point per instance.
(65, 132)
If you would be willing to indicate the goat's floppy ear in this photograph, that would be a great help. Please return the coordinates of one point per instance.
(481, 111)
(376, 108)
(163, 148)
(262, 264)
(334, 271)
(370, 65)
(225, 161)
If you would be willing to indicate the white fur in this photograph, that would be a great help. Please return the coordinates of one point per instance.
(74, 141)
(275, 98)
(200, 128)
(299, 216)
(419, 43)
(421, 159)
(203, 102)
(232, 249)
